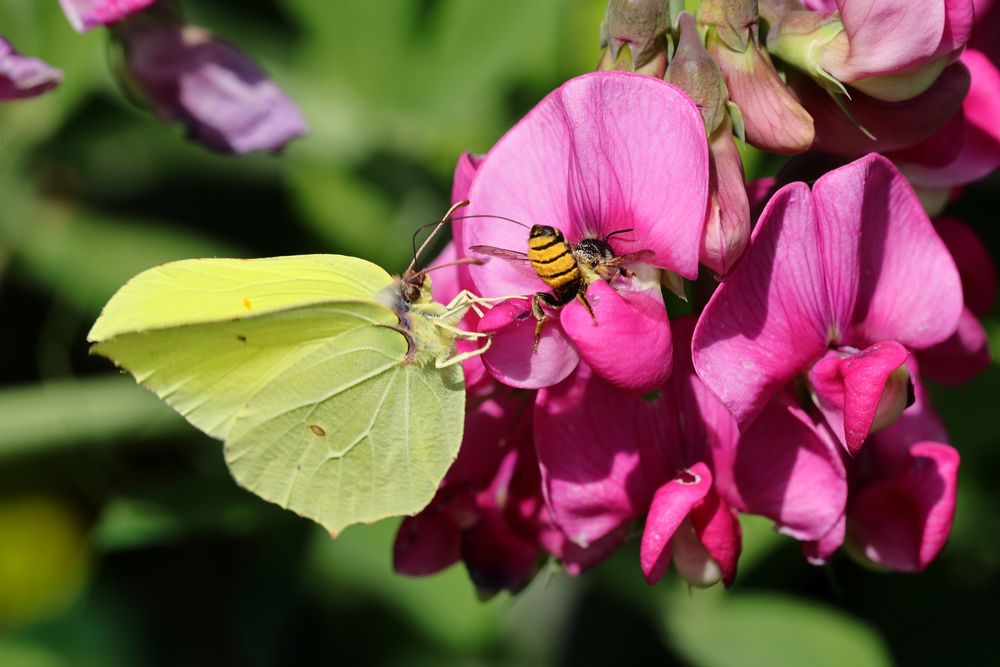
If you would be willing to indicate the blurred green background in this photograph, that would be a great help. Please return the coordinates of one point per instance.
(123, 540)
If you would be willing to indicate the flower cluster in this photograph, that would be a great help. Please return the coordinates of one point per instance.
(795, 389)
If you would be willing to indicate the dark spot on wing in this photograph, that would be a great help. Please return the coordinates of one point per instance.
(317, 429)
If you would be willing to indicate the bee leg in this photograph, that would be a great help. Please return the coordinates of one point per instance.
(540, 317)
(586, 304)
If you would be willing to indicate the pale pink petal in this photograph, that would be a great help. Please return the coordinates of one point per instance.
(511, 359)
(961, 357)
(786, 469)
(771, 318)
(425, 544)
(902, 522)
(855, 392)
(589, 158)
(886, 36)
(671, 504)
(975, 151)
(975, 265)
(627, 341)
(602, 453)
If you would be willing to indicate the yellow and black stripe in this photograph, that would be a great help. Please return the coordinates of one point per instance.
(552, 258)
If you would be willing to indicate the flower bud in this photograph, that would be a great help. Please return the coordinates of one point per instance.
(223, 98)
(641, 25)
(800, 39)
(732, 20)
(21, 76)
(694, 72)
(727, 228)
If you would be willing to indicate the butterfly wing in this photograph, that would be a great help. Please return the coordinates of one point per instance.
(350, 434)
(185, 329)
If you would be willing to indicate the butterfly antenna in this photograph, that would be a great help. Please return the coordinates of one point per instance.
(437, 228)
(465, 260)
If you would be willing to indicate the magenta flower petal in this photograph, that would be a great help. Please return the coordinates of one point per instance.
(855, 390)
(86, 14)
(800, 288)
(887, 36)
(975, 151)
(727, 229)
(425, 544)
(590, 159)
(22, 76)
(627, 342)
(718, 530)
(465, 171)
(903, 522)
(496, 557)
(224, 99)
(818, 552)
(671, 504)
(511, 360)
(600, 452)
(895, 125)
(961, 357)
(786, 469)
(975, 265)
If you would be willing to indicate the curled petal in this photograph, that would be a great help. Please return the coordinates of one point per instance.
(902, 522)
(589, 159)
(818, 552)
(718, 531)
(627, 341)
(511, 359)
(727, 229)
(22, 76)
(671, 504)
(858, 393)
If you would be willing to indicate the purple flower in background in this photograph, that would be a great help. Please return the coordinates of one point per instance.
(86, 14)
(21, 76)
(224, 99)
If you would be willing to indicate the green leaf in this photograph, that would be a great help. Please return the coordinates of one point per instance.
(719, 629)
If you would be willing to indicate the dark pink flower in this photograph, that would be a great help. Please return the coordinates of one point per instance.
(22, 76)
(608, 458)
(223, 99)
(605, 152)
(966, 352)
(86, 14)
(968, 147)
(839, 283)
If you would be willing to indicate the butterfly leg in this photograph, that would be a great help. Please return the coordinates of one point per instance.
(459, 358)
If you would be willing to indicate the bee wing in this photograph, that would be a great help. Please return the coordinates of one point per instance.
(504, 253)
(630, 258)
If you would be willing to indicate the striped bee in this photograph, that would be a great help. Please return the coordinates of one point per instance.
(567, 268)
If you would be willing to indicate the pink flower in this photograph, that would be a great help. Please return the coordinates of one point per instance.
(891, 50)
(967, 148)
(839, 283)
(22, 76)
(605, 152)
(86, 14)
(223, 99)
(608, 458)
